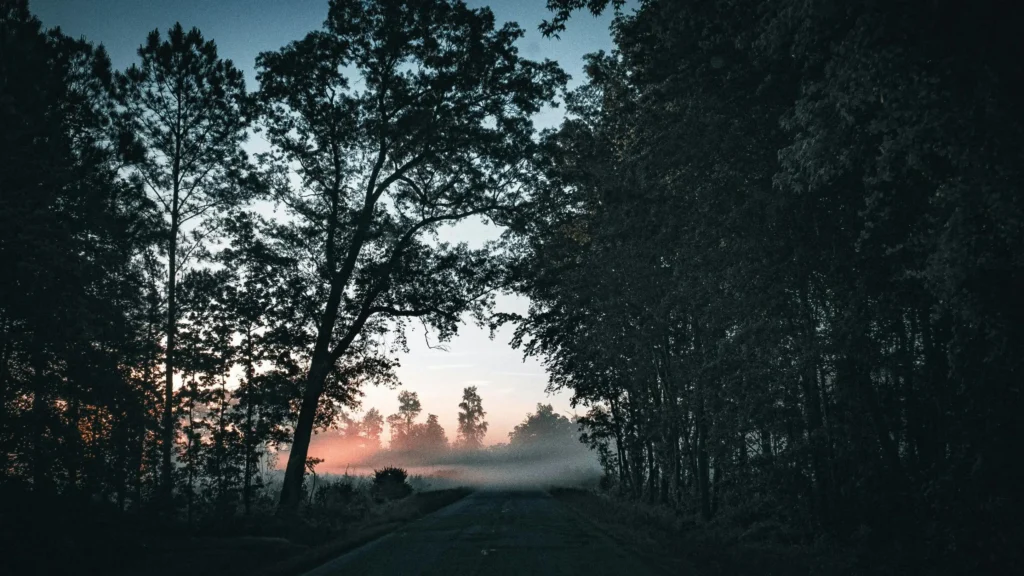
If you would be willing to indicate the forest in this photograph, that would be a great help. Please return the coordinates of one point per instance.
(775, 252)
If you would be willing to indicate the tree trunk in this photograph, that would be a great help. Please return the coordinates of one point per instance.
(703, 472)
(5, 353)
(40, 409)
(166, 472)
(291, 489)
(249, 432)
(816, 437)
(321, 362)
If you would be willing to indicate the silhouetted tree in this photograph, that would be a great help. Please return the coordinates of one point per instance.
(74, 242)
(372, 426)
(183, 108)
(402, 422)
(429, 437)
(472, 426)
(438, 131)
(543, 428)
(755, 258)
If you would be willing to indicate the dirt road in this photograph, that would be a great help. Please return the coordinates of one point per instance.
(492, 533)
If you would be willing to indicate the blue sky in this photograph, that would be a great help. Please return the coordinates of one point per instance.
(510, 387)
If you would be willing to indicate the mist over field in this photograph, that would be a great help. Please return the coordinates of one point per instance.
(560, 460)
(496, 467)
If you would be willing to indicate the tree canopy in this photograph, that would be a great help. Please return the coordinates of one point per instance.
(776, 254)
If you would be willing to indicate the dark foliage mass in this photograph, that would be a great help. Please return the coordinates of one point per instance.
(778, 254)
(389, 483)
(776, 250)
(160, 339)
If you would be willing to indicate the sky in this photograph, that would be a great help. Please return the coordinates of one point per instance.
(510, 386)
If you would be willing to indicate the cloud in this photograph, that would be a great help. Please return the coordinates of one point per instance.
(477, 382)
(535, 374)
(447, 366)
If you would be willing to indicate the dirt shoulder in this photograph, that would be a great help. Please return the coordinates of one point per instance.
(38, 540)
(396, 515)
(683, 546)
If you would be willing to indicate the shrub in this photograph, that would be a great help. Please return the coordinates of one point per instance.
(335, 493)
(389, 483)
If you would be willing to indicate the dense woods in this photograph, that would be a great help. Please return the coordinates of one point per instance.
(775, 251)
(161, 338)
(778, 254)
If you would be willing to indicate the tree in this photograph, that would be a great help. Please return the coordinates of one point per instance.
(438, 131)
(429, 437)
(545, 428)
(472, 426)
(402, 422)
(257, 310)
(754, 257)
(73, 242)
(182, 107)
(372, 426)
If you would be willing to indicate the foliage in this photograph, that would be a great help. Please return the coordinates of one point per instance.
(472, 426)
(389, 483)
(767, 259)
(545, 426)
(437, 131)
(181, 123)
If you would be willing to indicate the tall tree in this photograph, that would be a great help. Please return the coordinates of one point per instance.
(184, 107)
(372, 426)
(472, 426)
(437, 131)
(756, 258)
(72, 241)
(402, 423)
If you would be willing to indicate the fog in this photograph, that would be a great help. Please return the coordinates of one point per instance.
(498, 467)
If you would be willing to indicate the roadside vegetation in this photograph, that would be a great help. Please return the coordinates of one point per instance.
(777, 258)
(340, 513)
(775, 252)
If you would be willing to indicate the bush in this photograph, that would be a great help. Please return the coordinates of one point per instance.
(335, 493)
(389, 483)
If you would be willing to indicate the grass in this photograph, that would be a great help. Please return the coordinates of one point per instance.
(391, 516)
(58, 534)
(684, 545)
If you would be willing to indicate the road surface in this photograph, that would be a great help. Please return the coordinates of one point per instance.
(492, 533)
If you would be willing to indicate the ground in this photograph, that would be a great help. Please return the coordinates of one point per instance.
(493, 533)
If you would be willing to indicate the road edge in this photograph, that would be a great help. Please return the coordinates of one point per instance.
(324, 553)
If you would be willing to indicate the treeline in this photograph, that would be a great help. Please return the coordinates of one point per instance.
(362, 436)
(778, 253)
(160, 336)
(425, 443)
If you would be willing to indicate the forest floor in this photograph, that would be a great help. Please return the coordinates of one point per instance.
(685, 546)
(85, 539)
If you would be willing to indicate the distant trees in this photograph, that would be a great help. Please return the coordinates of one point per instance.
(402, 423)
(472, 426)
(372, 427)
(764, 256)
(545, 428)
(408, 435)
(429, 437)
